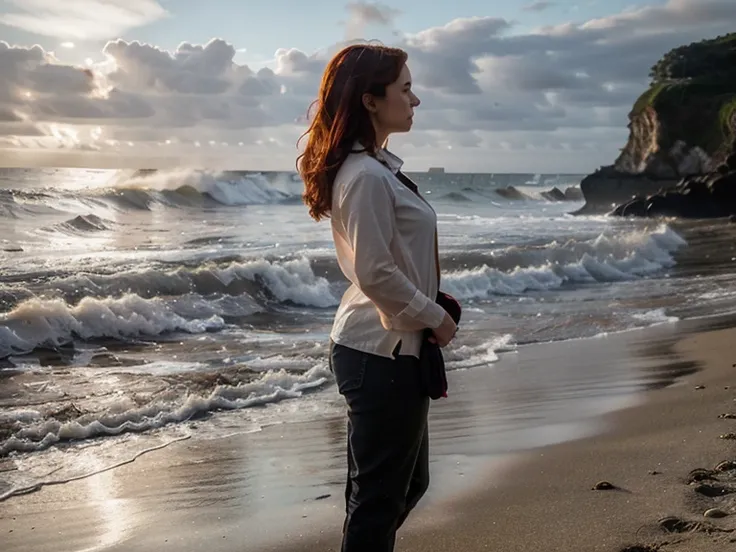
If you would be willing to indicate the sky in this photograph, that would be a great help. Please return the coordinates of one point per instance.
(506, 86)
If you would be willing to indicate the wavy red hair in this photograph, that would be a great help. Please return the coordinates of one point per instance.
(340, 118)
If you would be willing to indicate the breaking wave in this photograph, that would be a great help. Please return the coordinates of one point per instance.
(156, 301)
(151, 303)
(34, 429)
(626, 256)
(145, 190)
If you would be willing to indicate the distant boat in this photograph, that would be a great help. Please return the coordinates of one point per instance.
(436, 170)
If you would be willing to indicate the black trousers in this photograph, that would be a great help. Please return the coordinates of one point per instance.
(388, 445)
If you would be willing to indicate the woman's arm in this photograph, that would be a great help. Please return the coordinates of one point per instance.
(366, 209)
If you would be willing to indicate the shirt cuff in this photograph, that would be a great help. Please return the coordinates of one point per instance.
(422, 308)
(434, 314)
(416, 305)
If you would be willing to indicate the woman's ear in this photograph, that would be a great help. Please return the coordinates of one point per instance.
(369, 102)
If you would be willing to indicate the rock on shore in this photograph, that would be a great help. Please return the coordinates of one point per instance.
(711, 195)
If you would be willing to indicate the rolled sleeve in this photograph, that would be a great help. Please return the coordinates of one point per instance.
(421, 308)
(420, 313)
(416, 305)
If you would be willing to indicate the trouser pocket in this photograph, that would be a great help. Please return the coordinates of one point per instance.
(348, 367)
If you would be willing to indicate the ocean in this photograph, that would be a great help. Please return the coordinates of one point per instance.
(137, 308)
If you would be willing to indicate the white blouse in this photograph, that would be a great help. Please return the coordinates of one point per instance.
(384, 237)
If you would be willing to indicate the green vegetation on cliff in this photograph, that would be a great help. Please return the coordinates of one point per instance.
(693, 93)
(708, 60)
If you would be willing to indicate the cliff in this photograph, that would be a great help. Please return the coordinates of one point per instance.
(683, 125)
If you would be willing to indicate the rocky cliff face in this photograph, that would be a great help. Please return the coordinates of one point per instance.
(659, 149)
(659, 154)
(683, 125)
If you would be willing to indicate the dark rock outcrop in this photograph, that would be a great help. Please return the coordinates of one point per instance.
(555, 194)
(571, 193)
(509, 192)
(712, 195)
(608, 187)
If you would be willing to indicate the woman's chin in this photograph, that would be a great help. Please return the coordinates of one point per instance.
(406, 127)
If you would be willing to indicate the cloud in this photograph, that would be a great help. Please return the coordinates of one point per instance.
(82, 19)
(30, 72)
(665, 18)
(374, 12)
(363, 14)
(8, 115)
(552, 98)
(443, 57)
(538, 6)
(192, 69)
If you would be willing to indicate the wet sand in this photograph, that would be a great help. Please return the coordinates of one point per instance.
(497, 485)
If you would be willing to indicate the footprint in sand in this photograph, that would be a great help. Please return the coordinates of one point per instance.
(714, 490)
(673, 524)
(604, 486)
(726, 465)
(700, 474)
(715, 513)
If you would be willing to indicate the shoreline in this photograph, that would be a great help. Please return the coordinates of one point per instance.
(206, 493)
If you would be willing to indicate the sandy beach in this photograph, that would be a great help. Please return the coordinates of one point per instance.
(281, 489)
(548, 503)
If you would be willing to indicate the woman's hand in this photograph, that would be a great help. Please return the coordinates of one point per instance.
(445, 332)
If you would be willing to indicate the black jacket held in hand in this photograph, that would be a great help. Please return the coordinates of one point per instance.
(434, 378)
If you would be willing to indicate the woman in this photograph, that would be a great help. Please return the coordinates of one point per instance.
(385, 240)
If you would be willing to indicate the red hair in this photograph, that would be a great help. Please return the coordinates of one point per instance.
(340, 118)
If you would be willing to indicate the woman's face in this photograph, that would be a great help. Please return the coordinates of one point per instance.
(395, 111)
